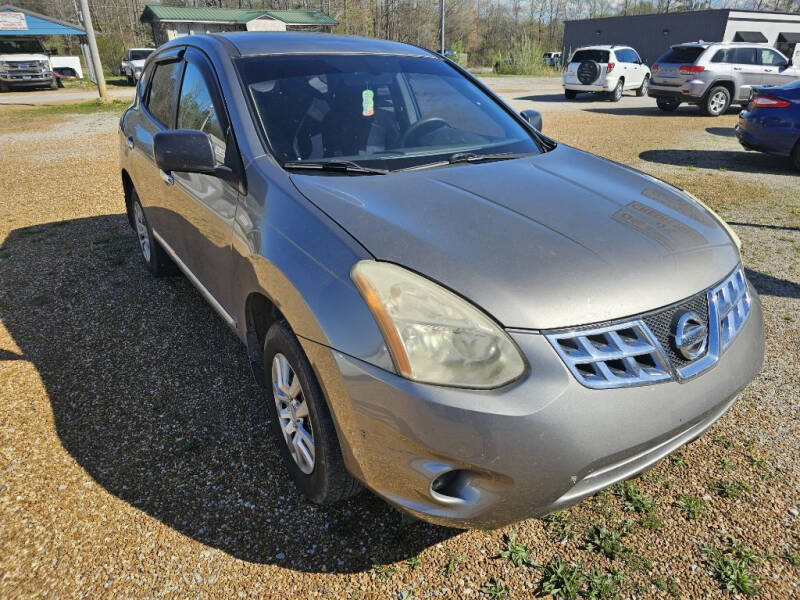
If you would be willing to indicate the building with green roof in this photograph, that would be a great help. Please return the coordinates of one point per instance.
(170, 22)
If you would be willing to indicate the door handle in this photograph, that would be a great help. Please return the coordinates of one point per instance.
(737, 68)
(130, 142)
(166, 177)
(767, 70)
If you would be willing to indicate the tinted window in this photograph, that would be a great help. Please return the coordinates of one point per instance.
(595, 55)
(196, 110)
(745, 56)
(391, 112)
(163, 91)
(140, 54)
(627, 56)
(770, 58)
(722, 56)
(682, 55)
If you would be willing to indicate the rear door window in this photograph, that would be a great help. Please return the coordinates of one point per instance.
(745, 56)
(600, 56)
(164, 92)
(682, 55)
(722, 56)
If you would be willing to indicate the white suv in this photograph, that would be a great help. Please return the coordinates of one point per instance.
(606, 70)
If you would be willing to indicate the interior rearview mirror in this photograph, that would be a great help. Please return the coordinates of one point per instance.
(534, 117)
(185, 151)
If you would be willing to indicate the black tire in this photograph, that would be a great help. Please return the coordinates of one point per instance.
(130, 80)
(668, 104)
(642, 89)
(616, 95)
(158, 262)
(329, 481)
(716, 101)
(4, 87)
(570, 94)
(54, 83)
(796, 155)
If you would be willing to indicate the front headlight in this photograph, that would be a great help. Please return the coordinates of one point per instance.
(433, 335)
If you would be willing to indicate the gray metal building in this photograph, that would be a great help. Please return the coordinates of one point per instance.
(653, 34)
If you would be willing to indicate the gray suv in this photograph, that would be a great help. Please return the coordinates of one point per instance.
(716, 75)
(437, 304)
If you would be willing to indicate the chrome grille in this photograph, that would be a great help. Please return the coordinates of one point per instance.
(612, 356)
(732, 303)
(642, 351)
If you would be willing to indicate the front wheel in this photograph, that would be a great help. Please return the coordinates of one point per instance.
(668, 104)
(302, 422)
(155, 258)
(642, 90)
(570, 94)
(796, 155)
(716, 101)
(616, 95)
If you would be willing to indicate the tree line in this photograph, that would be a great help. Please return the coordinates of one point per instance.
(487, 31)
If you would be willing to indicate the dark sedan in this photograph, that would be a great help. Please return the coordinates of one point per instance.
(771, 122)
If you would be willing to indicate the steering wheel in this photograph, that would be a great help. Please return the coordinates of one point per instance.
(423, 126)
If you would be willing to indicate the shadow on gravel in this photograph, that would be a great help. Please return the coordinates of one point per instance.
(721, 131)
(767, 285)
(729, 160)
(152, 395)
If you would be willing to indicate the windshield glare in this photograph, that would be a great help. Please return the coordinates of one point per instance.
(391, 112)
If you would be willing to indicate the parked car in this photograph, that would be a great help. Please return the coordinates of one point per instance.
(24, 63)
(133, 63)
(771, 121)
(477, 323)
(605, 70)
(716, 75)
(551, 59)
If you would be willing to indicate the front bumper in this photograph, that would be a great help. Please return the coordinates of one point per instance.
(27, 79)
(536, 446)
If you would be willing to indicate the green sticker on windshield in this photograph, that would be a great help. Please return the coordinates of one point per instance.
(368, 103)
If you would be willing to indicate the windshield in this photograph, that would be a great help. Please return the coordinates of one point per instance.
(140, 54)
(21, 47)
(388, 112)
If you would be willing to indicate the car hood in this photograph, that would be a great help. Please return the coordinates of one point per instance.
(137, 63)
(556, 240)
(22, 57)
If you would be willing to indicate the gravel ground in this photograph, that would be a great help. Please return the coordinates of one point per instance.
(134, 460)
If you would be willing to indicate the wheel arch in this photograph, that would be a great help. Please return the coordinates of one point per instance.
(127, 188)
(260, 313)
(726, 83)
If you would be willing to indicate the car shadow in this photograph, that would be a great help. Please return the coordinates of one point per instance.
(729, 160)
(767, 285)
(152, 395)
(721, 131)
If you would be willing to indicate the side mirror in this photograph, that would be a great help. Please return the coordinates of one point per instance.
(185, 151)
(533, 117)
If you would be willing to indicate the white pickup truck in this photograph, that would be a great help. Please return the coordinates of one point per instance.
(24, 63)
(133, 63)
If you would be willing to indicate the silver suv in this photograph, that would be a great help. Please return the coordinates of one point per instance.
(716, 75)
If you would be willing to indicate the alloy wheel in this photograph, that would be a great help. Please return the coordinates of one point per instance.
(141, 231)
(645, 85)
(293, 414)
(717, 102)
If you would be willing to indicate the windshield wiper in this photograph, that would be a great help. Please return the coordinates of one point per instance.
(334, 166)
(468, 157)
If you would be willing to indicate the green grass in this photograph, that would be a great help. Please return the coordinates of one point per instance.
(651, 521)
(562, 525)
(380, 571)
(453, 562)
(633, 499)
(562, 580)
(113, 106)
(494, 588)
(721, 440)
(691, 507)
(731, 489)
(413, 562)
(676, 458)
(515, 552)
(730, 566)
(668, 585)
(604, 541)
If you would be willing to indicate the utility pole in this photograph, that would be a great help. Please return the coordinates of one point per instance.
(441, 27)
(95, 56)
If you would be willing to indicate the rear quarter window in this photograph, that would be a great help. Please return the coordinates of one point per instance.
(595, 55)
(682, 55)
